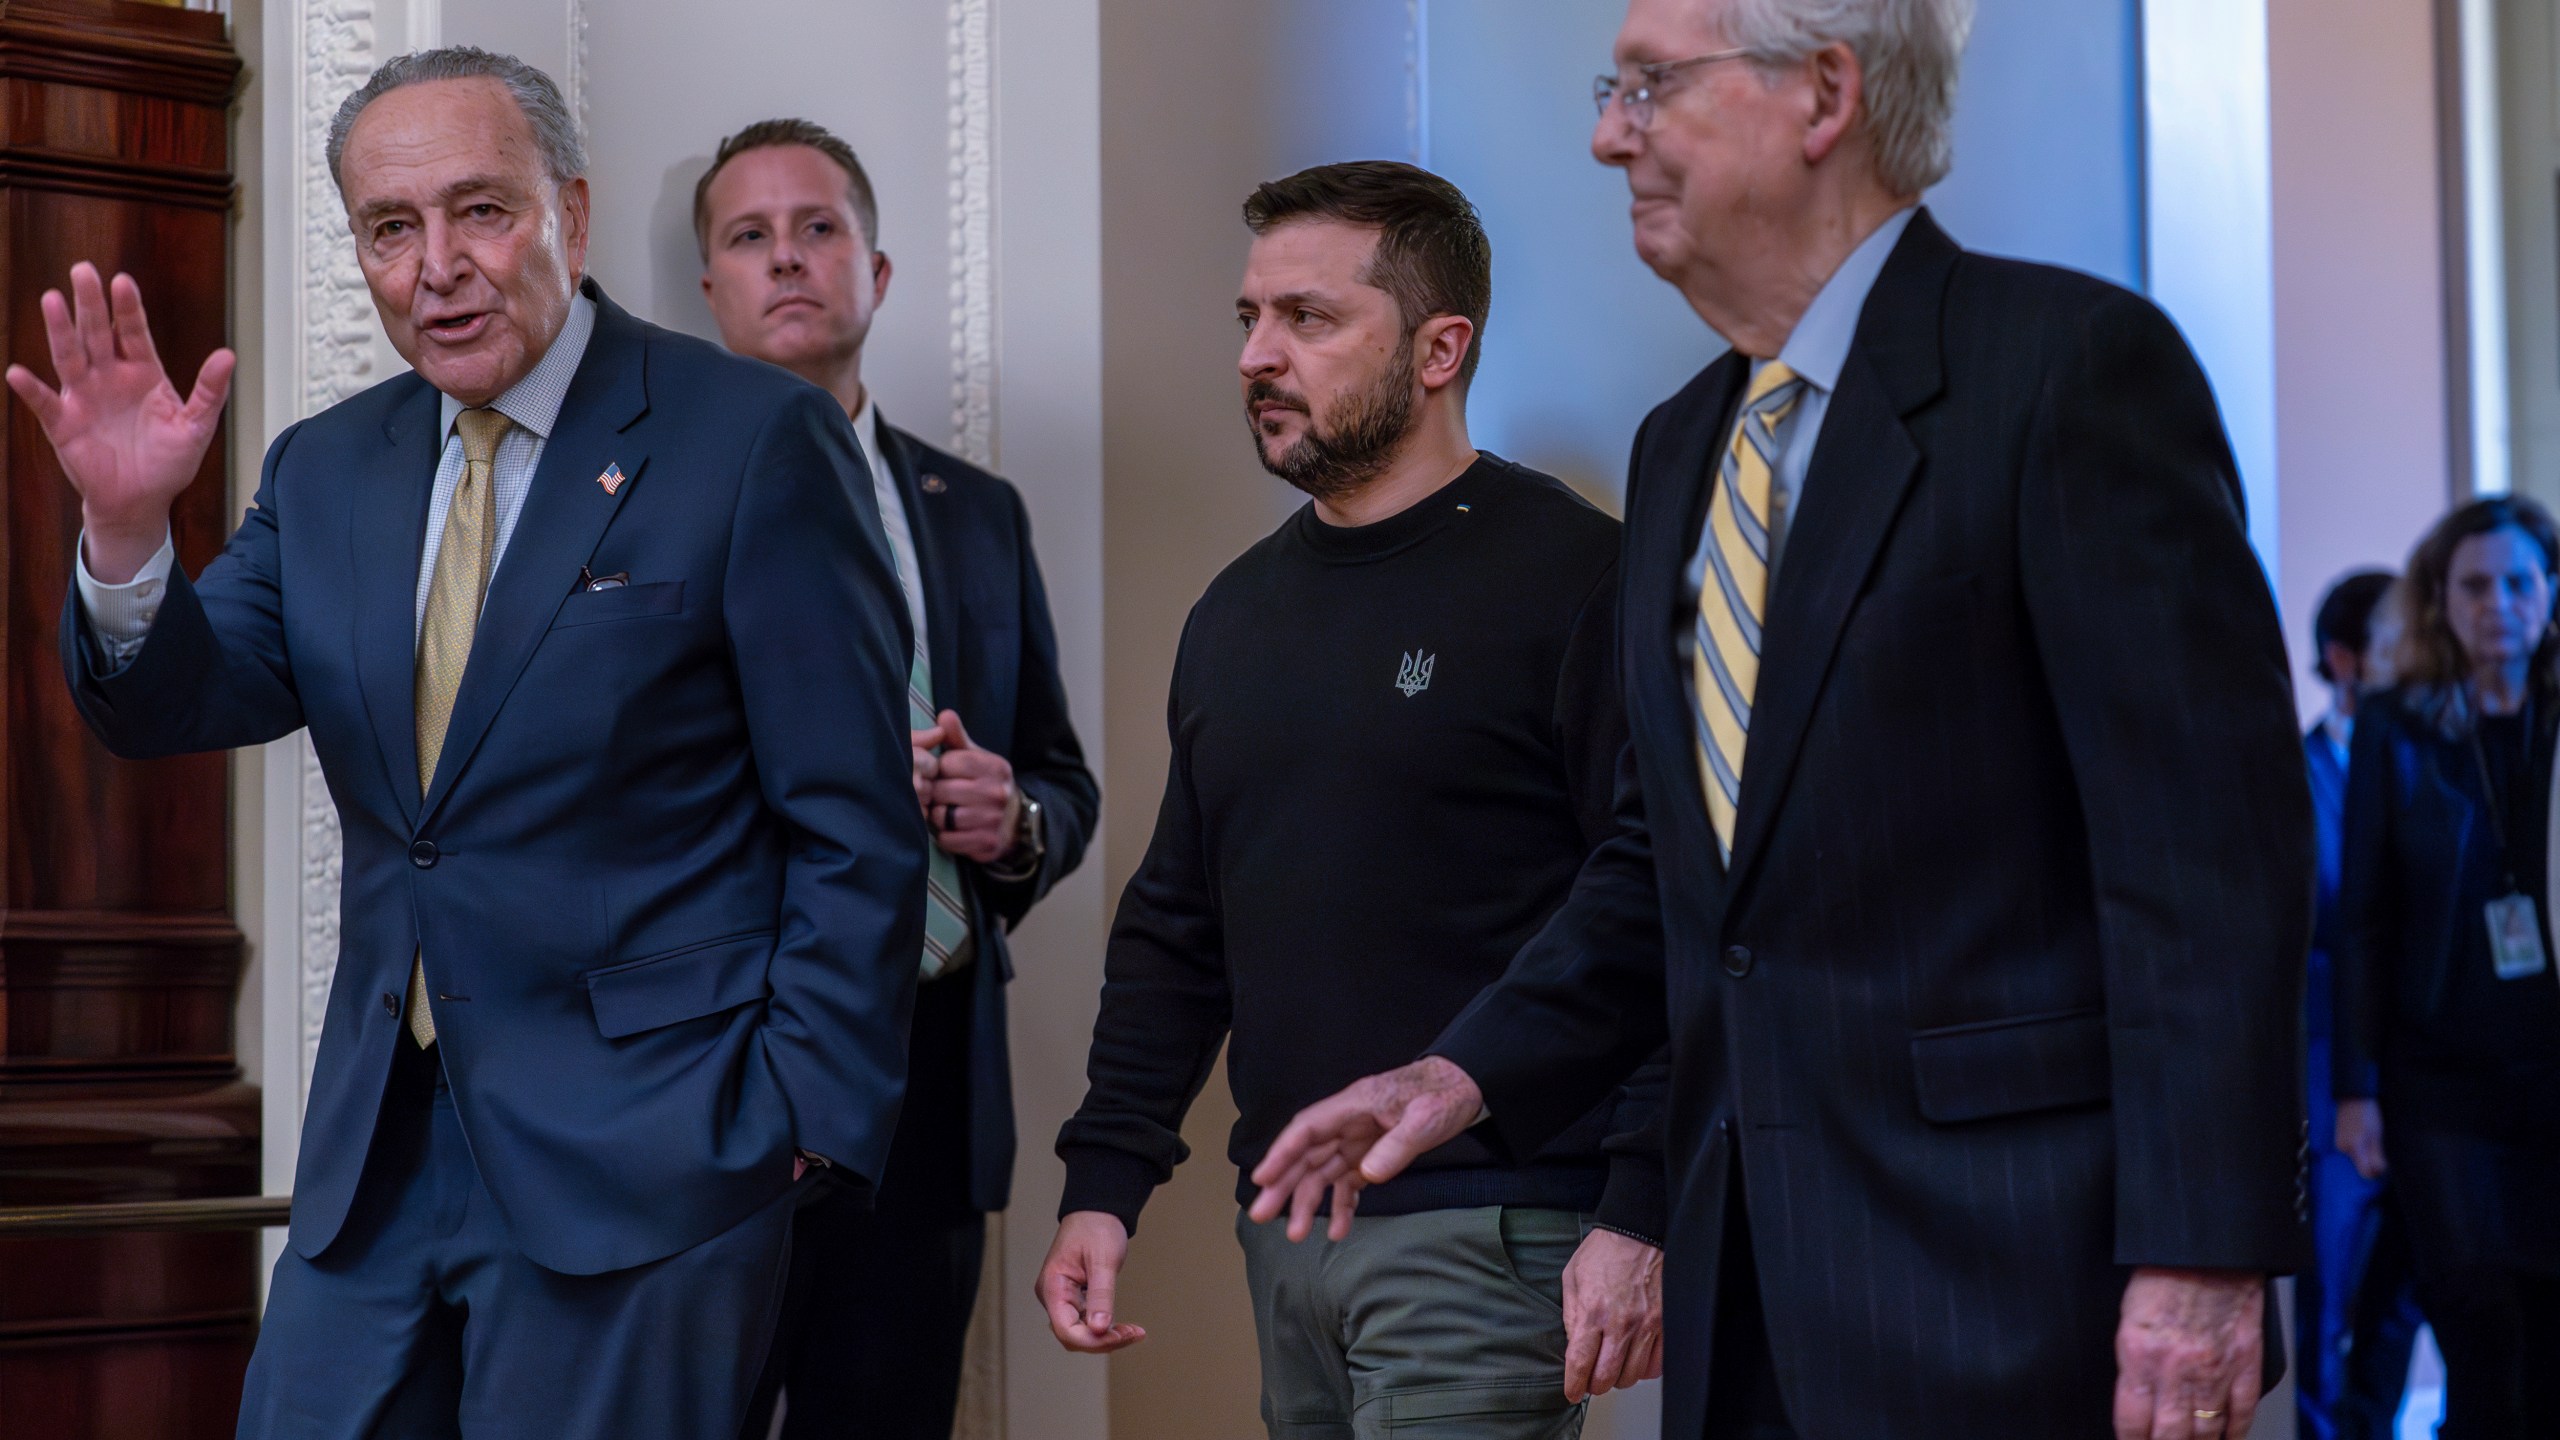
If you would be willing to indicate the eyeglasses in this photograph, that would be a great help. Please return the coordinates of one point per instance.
(1639, 102)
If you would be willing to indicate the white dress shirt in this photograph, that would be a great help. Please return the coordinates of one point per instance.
(893, 514)
(121, 615)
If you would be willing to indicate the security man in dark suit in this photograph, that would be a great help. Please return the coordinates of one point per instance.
(1968, 840)
(633, 878)
(878, 1307)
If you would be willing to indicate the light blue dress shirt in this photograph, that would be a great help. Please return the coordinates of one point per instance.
(1815, 350)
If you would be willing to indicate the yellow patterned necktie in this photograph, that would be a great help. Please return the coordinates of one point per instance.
(454, 596)
(1733, 592)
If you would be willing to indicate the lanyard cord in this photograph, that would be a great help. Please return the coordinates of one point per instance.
(2489, 787)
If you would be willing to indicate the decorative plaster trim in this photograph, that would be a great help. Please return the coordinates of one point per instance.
(575, 81)
(336, 333)
(973, 435)
(973, 349)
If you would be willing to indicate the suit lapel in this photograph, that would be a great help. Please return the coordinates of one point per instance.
(926, 526)
(388, 540)
(565, 513)
(1663, 524)
(1862, 467)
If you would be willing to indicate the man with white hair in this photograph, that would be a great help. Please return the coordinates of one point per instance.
(1970, 817)
(594, 629)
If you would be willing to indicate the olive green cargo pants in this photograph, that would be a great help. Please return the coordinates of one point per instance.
(1446, 1325)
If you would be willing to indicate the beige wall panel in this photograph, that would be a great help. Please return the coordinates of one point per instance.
(2359, 289)
(1199, 104)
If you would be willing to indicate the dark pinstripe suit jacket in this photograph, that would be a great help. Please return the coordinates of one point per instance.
(2000, 996)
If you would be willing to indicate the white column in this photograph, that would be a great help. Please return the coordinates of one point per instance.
(1044, 383)
(2209, 222)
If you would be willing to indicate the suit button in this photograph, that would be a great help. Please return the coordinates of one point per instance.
(423, 854)
(390, 1003)
(1737, 960)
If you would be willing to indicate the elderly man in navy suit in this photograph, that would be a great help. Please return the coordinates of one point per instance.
(877, 1315)
(596, 633)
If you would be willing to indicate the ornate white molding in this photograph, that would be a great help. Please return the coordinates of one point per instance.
(574, 82)
(971, 100)
(973, 348)
(336, 336)
(337, 314)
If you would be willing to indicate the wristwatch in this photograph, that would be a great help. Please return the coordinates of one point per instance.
(1030, 845)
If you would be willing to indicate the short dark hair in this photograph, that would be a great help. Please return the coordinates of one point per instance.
(2346, 615)
(770, 134)
(1433, 256)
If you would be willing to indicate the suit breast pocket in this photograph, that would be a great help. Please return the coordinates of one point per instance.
(623, 602)
(2012, 1067)
(688, 983)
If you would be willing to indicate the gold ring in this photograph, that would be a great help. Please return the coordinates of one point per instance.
(2208, 1414)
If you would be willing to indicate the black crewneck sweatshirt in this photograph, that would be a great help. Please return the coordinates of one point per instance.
(1393, 746)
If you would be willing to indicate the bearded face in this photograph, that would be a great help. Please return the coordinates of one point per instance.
(1347, 439)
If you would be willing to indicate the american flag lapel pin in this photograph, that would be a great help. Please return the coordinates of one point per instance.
(611, 479)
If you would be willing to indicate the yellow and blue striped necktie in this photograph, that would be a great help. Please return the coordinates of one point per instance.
(1733, 592)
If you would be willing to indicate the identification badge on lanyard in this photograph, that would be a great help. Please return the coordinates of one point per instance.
(2515, 937)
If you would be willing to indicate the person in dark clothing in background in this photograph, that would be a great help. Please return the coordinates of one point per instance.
(875, 1312)
(2355, 1312)
(2448, 1036)
(1395, 729)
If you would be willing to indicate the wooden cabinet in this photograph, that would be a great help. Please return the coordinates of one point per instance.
(119, 959)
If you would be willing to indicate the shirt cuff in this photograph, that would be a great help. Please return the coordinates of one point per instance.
(120, 616)
(1637, 1203)
(1114, 1182)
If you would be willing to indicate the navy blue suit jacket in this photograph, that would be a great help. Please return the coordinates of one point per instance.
(995, 661)
(668, 878)
(2000, 993)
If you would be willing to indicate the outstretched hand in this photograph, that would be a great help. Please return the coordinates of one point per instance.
(127, 441)
(1364, 1135)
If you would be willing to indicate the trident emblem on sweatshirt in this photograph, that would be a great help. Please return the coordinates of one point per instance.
(1414, 676)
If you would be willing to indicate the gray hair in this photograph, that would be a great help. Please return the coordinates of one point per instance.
(1910, 51)
(555, 130)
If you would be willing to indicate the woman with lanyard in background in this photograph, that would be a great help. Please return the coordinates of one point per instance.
(2448, 1004)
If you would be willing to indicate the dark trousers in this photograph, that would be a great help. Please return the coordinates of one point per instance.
(423, 1320)
(875, 1317)
(1742, 1374)
(2356, 1314)
(2479, 1216)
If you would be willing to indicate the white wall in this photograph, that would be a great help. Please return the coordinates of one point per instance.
(2361, 402)
(871, 73)
(1199, 104)
(2209, 239)
(1584, 339)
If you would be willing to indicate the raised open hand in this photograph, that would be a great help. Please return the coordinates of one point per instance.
(126, 439)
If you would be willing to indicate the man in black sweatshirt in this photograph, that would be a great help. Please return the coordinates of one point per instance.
(1395, 730)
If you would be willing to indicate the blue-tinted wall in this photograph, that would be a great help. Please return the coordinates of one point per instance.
(1584, 340)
